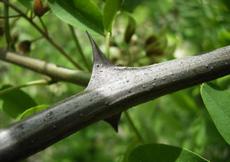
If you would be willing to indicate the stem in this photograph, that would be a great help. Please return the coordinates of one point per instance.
(32, 83)
(43, 25)
(133, 127)
(44, 34)
(46, 68)
(107, 43)
(10, 16)
(79, 47)
(7, 26)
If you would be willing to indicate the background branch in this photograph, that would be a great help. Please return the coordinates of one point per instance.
(7, 26)
(109, 98)
(43, 33)
(77, 43)
(49, 69)
(32, 83)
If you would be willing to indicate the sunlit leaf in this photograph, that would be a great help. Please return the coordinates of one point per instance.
(15, 102)
(82, 14)
(32, 111)
(217, 103)
(163, 153)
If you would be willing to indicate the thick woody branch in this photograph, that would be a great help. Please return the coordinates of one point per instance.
(120, 89)
(42, 67)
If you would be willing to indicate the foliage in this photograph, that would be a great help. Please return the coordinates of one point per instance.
(22, 101)
(142, 33)
(216, 101)
(76, 13)
(154, 152)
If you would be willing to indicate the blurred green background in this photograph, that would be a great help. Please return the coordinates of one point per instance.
(165, 29)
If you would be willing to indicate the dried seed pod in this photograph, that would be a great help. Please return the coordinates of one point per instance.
(154, 50)
(39, 8)
(155, 46)
(24, 46)
(150, 40)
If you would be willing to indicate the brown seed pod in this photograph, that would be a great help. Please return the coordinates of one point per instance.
(150, 40)
(24, 46)
(154, 50)
(39, 8)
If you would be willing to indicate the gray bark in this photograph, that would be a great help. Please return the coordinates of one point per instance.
(111, 90)
(55, 72)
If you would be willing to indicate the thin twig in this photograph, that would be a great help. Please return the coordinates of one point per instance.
(79, 47)
(10, 16)
(7, 26)
(32, 83)
(49, 39)
(43, 25)
(133, 127)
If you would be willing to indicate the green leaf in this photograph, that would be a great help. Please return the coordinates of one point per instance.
(110, 10)
(217, 103)
(15, 102)
(130, 29)
(31, 111)
(163, 153)
(26, 3)
(130, 5)
(82, 14)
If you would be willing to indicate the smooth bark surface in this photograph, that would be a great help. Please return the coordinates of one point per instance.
(49, 69)
(111, 90)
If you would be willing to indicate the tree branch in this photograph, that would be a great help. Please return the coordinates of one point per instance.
(122, 88)
(42, 67)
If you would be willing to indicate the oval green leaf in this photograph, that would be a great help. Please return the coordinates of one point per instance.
(31, 111)
(110, 10)
(83, 14)
(16, 101)
(163, 153)
(217, 103)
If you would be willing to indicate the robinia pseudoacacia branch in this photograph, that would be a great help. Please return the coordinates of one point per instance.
(111, 90)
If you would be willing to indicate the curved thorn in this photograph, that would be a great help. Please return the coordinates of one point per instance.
(114, 121)
(98, 56)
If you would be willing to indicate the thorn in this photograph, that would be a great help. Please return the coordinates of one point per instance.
(98, 56)
(114, 121)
